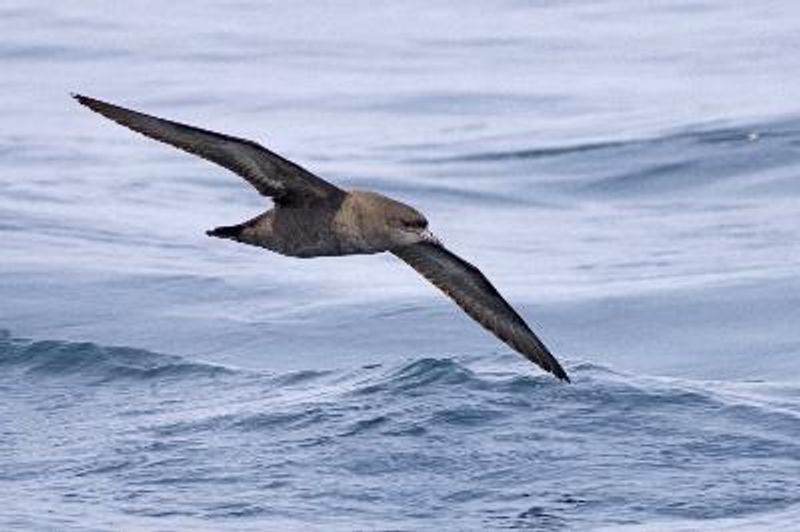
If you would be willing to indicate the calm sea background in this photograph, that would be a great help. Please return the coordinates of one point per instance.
(627, 174)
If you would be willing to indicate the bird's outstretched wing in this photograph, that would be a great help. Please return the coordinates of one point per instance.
(473, 292)
(270, 174)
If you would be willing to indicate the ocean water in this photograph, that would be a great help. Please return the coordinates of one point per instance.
(627, 174)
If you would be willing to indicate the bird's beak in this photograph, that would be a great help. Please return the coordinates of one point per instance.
(427, 236)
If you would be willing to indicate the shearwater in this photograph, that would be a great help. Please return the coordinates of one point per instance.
(314, 218)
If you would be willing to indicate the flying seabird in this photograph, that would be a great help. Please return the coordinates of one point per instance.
(314, 218)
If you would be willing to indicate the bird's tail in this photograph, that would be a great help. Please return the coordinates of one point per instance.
(255, 231)
(233, 232)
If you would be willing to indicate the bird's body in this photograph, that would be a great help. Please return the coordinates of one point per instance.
(354, 224)
(314, 218)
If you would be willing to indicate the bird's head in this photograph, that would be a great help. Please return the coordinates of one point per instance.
(382, 222)
(409, 226)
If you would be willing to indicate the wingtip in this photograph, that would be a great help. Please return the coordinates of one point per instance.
(91, 103)
(550, 364)
(559, 372)
(86, 101)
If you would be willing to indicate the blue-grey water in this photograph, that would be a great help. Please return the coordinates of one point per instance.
(627, 174)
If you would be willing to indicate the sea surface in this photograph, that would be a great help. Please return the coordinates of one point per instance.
(626, 173)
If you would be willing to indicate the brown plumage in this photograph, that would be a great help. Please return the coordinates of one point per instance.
(313, 218)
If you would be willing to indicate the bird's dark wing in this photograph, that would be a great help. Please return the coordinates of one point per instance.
(470, 289)
(268, 172)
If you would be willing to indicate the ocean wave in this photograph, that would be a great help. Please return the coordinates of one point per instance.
(526, 153)
(784, 131)
(593, 383)
(420, 399)
(781, 520)
(758, 155)
(525, 448)
(97, 362)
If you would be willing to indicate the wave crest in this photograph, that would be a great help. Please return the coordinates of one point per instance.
(90, 360)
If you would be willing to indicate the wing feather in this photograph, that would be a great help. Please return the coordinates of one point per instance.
(472, 291)
(269, 173)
